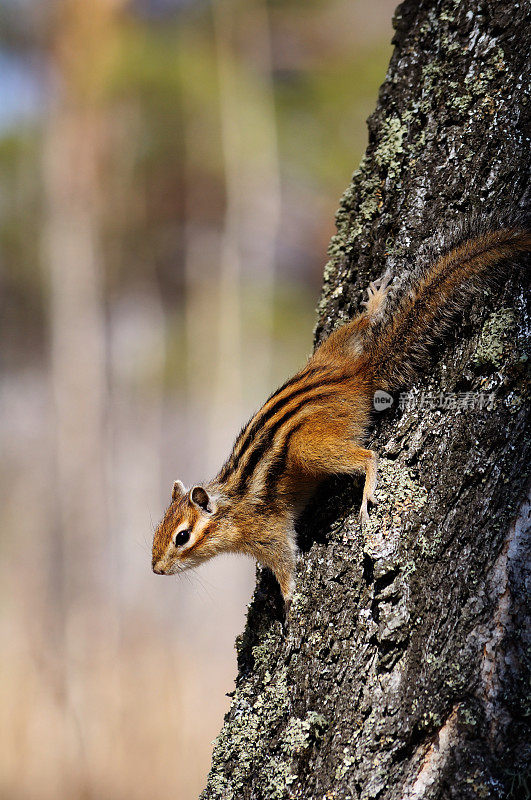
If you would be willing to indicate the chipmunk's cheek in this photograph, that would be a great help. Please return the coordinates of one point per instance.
(187, 563)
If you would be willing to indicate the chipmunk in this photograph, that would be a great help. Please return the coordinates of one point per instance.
(313, 426)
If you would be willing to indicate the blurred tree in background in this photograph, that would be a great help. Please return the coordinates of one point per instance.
(169, 171)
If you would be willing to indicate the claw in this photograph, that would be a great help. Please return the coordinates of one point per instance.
(384, 280)
(376, 294)
(364, 513)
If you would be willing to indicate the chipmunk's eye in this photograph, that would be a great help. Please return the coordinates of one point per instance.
(181, 538)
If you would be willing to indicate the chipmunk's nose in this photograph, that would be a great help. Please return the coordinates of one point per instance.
(157, 569)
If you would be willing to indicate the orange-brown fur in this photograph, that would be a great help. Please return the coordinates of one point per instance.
(314, 425)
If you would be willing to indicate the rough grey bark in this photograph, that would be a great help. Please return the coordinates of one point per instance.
(402, 672)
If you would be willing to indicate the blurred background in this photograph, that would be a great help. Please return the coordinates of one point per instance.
(169, 174)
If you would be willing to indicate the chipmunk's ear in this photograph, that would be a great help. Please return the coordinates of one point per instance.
(201, 498)
(178, 490)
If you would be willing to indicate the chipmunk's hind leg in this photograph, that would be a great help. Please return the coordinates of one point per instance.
(350, 338)
(377, 292)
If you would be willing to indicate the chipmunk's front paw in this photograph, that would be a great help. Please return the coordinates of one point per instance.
(364, 512)
(287, 595)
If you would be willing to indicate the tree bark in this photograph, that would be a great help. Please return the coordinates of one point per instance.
(402, 671)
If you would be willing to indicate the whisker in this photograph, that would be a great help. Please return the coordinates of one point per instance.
(143, 544)
(202, 584)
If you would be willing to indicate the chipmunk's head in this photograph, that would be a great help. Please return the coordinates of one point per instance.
(186, 535)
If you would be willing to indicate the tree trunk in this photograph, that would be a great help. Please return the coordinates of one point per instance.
(401, 673)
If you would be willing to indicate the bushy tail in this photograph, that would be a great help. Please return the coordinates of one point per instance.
(432, 297)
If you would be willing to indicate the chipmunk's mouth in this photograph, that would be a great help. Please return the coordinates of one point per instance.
(160, 568)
